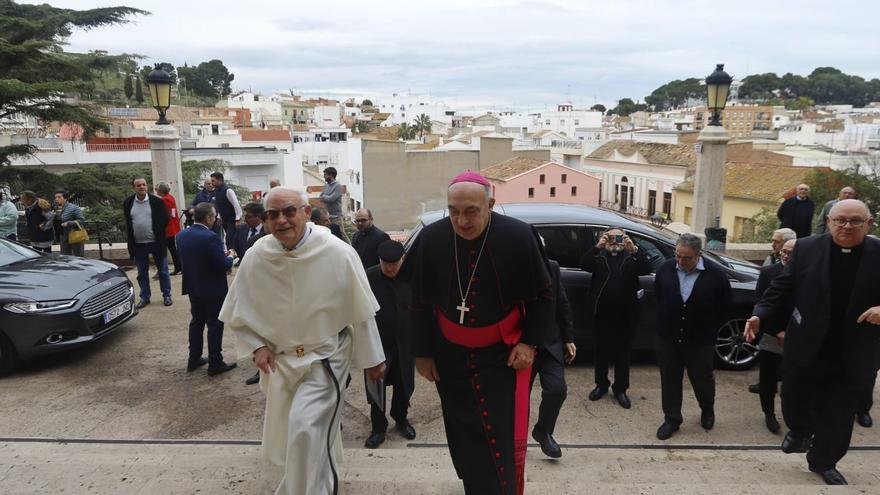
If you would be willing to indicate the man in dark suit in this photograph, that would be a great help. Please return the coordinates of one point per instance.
(368, 237)
(613, 304)
(393, 294)
(770, 361)
(146, 218)
(692, 297)
(204, 280)
(831, 291)
(558, 350)
(796, 212)
(250, 229)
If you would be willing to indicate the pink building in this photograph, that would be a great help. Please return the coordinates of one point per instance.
(527, 180)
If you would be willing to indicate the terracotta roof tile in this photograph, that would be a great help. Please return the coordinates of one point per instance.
(511, 168)
(657, 153)
(756, 181)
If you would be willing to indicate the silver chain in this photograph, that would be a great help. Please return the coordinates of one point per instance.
(476, 264)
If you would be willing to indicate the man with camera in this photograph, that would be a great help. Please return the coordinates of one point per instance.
(616, 265)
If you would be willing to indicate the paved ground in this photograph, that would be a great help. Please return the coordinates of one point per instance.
(123, 416)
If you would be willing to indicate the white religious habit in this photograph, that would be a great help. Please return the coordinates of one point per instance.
(306, 305)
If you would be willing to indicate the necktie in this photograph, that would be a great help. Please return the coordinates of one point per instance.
(253, 232)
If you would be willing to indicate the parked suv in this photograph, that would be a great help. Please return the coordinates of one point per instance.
(570, 230)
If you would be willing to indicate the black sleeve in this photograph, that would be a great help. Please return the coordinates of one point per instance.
(421, 315)
(777, 302)
(539, 310)
(762, 283)
(643, 264)
(588, 260)
(781, 211)
(563, 309)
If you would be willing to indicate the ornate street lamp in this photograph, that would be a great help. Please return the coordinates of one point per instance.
(717, 89)
(159, 83)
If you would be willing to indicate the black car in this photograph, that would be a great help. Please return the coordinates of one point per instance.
(570, 230)
(51, 302)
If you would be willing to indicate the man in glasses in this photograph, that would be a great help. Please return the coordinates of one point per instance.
(366, 241)
(831, 291)
(692, 297)
(305, 330)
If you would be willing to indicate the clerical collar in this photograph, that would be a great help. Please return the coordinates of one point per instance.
(844, 250)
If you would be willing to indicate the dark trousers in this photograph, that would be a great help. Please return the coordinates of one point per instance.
(674, 358)
(175, 256)
(613, 346)
(768, 376)
(229, 232)
(819, 400)
(205, 312)
(142, 253)
(399, 407)
(553, 390)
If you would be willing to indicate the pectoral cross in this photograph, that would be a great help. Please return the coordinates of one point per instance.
(462, 309)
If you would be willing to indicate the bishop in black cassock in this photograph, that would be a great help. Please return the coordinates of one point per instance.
(481, 303)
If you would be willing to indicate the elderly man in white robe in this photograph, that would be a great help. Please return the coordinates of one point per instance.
(301, 306)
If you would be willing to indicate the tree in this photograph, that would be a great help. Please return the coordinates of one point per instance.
(598, 107)
(422, 124)
(863, 176)
(362, 127)
(626, 106)
(675, 94)
(406, 132)
(801, 103)
(35, 73)
(367, 103)
(760, 87)
(138, 92)
(127, 86)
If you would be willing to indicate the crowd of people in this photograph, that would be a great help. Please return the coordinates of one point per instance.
(477, 308)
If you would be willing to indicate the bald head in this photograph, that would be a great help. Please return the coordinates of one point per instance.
(284, 195)
(847, 193)
(849, 221)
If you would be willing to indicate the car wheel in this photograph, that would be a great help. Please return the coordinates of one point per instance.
(732, 352)
(8, 356)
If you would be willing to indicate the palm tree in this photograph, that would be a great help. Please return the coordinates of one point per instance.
(422, 124)
(406, 132)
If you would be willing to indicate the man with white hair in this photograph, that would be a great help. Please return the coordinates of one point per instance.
(301, 307)
(796, 212)
(831, 291)
(780, 237)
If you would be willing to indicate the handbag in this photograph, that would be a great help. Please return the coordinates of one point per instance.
(79, 235)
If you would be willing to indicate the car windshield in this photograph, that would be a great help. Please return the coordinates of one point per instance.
(11, 252)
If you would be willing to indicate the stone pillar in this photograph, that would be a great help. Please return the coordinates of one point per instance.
(709, 180)
(165, 159)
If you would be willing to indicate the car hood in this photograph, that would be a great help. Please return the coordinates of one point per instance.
(54, 277)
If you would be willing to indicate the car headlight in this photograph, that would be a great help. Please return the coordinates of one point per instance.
(39, 306)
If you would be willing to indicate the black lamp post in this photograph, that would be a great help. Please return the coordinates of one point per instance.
(717, 89)
(159, 83)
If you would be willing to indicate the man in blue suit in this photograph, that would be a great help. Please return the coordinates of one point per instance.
(206, 262)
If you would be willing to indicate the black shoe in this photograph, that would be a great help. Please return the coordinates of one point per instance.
(755, 388)
(155, 277)
(792, 443)
(707, 420)
(374, 440)
(771, 422)
(406, 429)
(832, 477)
(176, 272)
(623, 400)
(220, 368)
(254, 379)
(597, 393)
(167, 301)
(142, 303)
(864, 419)
(192, 365)
(548, 445)
(666, 430)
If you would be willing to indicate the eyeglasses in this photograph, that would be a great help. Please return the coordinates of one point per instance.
(361, 220)
(855, 222)
(289, 212)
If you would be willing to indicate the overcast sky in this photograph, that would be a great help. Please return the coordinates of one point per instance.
(501, 54)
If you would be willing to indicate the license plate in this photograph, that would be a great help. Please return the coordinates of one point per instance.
(118, 311)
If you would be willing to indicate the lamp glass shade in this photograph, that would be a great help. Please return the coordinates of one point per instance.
(160, 95)
(717, 89)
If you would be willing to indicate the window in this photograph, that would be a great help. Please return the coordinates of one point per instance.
(667, 205)
(547, 122)
(577, 122)
(567, 243)
(574, 190)
(531, 192)
(652, 202)
(351, 205)
(541, 179)
(564, 178)
(632, 194)
(561, 121)
(656, 252)
(552, 192)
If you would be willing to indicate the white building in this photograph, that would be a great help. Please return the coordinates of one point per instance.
(566, 119)
(265, 110)
(344, 156)
(405, 108)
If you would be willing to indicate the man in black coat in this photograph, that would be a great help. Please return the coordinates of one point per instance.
(770, 361)
(831, 291)
(251, 228)
(368, 237)
(559, 349)
(692, 298)
(146, 218)
(393, 295)
(796, 212)
(616, 264)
